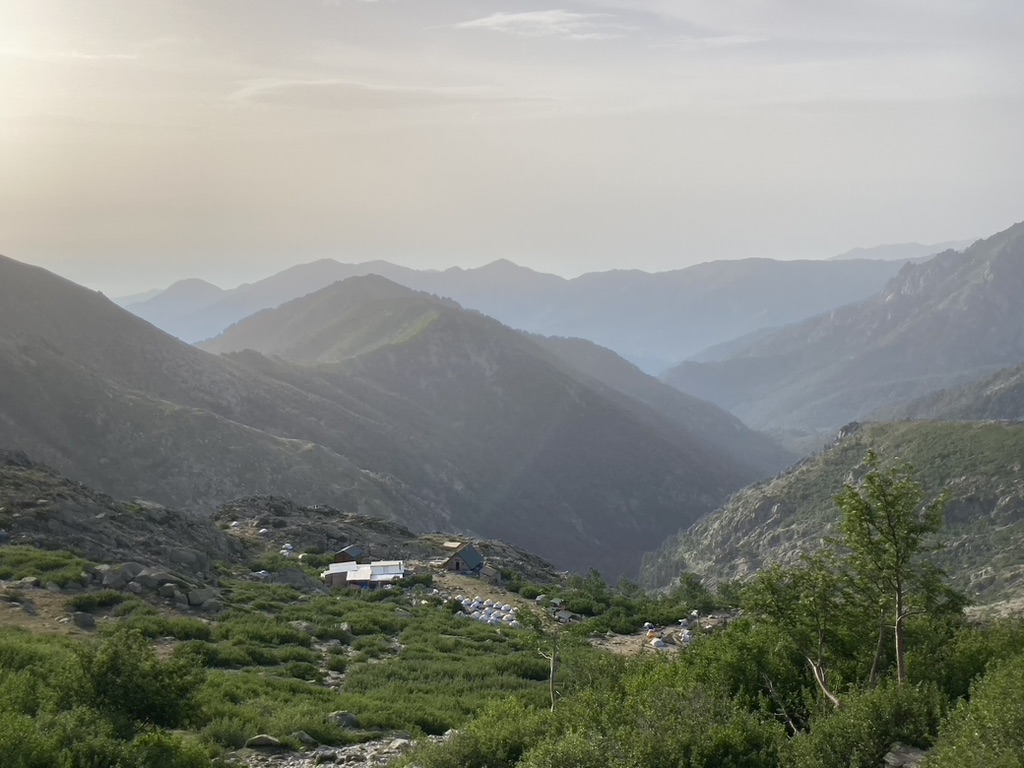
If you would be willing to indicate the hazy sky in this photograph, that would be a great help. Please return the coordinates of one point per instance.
(146, 140)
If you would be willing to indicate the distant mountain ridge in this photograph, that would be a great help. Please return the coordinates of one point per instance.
(410, 409)
(903, 251)
(936, 325)
(653, 320)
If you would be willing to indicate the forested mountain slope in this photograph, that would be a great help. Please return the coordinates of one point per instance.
(980, 465)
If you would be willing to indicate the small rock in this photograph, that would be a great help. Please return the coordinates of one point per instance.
(304, 738)
(904, 756)
(134, 587)
(83, 620)
(263, 740)
(343, 719)
(304, 627)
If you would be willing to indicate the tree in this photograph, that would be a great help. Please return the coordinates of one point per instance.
(809, 605)
(885, 526)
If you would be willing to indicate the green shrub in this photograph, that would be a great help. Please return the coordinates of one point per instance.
(20, 560)
(499, 738)
(988, 730)
(92, 601)
(128, 681)
(859, 735)
(155, 625)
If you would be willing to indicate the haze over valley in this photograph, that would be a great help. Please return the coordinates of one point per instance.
(460, 384)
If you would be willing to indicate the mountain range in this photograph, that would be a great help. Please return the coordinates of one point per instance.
(654, 320)
(368, 397)
(938, 324)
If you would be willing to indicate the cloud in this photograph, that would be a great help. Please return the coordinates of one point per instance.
(702, 43)
(23, 53)
(561, 24)
(347, 95)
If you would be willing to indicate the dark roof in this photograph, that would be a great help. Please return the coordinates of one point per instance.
(470, 557)
(352, 550)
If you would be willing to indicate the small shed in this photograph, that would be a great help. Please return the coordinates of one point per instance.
(351, 554)
(490, 574)
(465, 560)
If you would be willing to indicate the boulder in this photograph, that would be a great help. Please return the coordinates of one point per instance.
(189, 559)
(134, 587)
(343, 719)
(305, 739)
(904, 756)
(212, 606)
(293, 577)
(152, 578)
(304, 627)
(200, 596)
(264, 741)
(167, 590)
(83, 620)
(28, 582)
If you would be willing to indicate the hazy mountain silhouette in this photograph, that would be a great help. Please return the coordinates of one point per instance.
(519, 444)
(903, 251)
(653, 320)
(408, 408)
(699, 417)
(938, 324)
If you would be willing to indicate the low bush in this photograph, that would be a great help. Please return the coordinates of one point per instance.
(93, 601)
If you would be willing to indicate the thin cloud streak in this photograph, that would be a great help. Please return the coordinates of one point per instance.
(561, 24)
(347, 95)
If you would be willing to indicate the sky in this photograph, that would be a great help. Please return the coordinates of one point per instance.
(143, 141)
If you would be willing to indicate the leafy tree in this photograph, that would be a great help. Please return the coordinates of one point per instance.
(810, 605)
(885, 527)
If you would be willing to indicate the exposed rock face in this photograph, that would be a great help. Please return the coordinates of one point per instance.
(39, 507)
(781, 520)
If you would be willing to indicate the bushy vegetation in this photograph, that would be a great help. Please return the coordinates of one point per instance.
(65, 704)
(816, 671)
(833, 661)
(61, 568)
